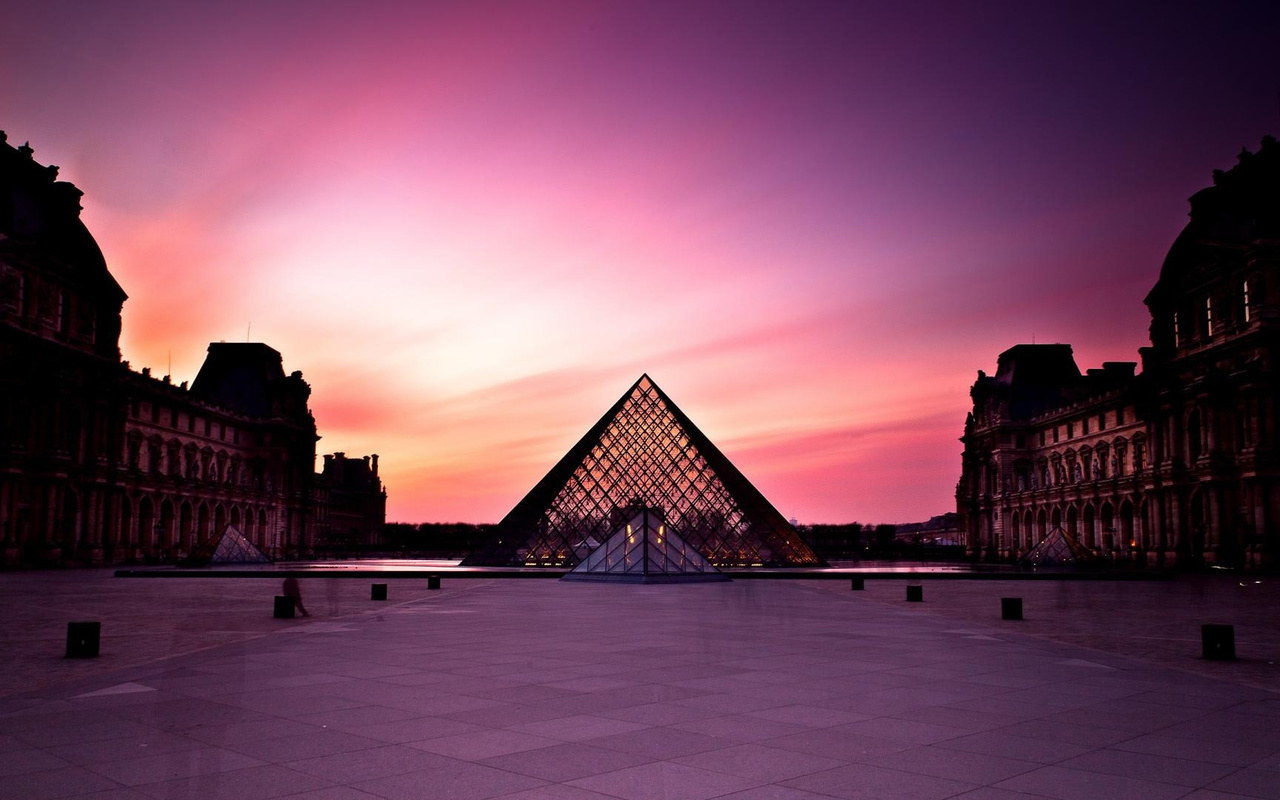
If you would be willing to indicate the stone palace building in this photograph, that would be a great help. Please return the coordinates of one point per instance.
(1176, 464)
(102, 463)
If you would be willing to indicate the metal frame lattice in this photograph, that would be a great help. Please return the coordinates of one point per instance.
(644, 453)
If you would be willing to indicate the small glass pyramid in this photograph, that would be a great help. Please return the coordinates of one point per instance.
(230, 548)
(645, 550)
(1057, 549)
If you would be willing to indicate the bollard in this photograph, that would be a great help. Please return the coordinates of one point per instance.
(379, 592)
(433, 581)
(284, 607)
(856, 584)
(1010, 608)
(82, 639)
(1218, 642)
(915, 594)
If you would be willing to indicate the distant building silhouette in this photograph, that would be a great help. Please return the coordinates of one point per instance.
(1177, 464)
(98, 462)
(943, 530)
(352, 502)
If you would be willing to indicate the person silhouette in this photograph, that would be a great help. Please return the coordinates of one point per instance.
(291, 589)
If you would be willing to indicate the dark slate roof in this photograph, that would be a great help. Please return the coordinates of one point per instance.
(1242, 206)
(237, 376)
(40, 220)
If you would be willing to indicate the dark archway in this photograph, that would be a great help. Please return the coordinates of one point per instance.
(166, 524)
(1193, 437)
(146, 523)
(186, 527)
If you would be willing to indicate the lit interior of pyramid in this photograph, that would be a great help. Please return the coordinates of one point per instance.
(644, 546)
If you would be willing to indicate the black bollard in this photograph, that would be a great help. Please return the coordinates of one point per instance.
(379, 592)
(433, 581)
(284, 607)
(82, 639)
(1010, 608)
(856, 584)
(1218, 642)
(915, 594)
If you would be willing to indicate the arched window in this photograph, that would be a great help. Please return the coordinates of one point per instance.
(1247, 313)
(134, 449)
(1177, 334)
(154, 450)
(1208, 316)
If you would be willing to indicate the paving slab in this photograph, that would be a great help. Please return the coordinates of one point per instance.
(759, 690)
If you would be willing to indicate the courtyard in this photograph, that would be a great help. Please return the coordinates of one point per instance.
(530, 689)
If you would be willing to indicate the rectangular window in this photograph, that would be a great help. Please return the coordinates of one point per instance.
(1055, 434)
(1208, 316)
(1177, 336)
(1246, 301)
(1120, 415)
(1071, 430)
(1102, 421)
(1084, 426)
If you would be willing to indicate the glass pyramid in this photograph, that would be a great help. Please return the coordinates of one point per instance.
(1057, 549)
(230, 548)
(645, 550)
(644, 454)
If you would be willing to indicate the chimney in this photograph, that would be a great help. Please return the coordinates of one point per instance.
(375, 465)
(328, 462)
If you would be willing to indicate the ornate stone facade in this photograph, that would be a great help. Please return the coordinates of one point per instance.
(1177, 464)
(98, 462)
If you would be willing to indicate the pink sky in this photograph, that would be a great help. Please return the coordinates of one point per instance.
(472, 226)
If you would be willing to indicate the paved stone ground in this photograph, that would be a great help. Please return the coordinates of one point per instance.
(144, 619)
(1156, 621)
(539, 689)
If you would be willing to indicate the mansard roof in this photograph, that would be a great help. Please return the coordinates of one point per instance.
(40, 221)
(1242, 207)
(248, 378)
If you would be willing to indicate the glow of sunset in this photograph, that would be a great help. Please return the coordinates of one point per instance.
(473, 225)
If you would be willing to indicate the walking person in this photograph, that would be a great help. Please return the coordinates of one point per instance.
(290, 589)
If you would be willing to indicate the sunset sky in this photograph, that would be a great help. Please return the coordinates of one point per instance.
(473, 225)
